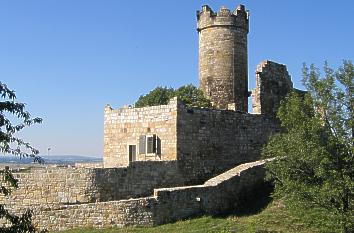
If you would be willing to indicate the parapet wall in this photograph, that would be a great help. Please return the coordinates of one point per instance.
(37, 186)
(217, 195)
(58, 186)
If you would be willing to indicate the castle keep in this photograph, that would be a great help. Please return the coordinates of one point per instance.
(223, 71)
(170, 162)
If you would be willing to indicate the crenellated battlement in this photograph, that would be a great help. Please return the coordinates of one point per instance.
(207, 18)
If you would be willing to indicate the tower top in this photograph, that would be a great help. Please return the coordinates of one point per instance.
(224, 17)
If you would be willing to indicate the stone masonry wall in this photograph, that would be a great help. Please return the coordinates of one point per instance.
(273, 83)
(217, 195)
(124, 126)
(53, 186)
(132, 212)
(212, 141)
(205, 142)
(58, 186)
(223, 61)
(138, 180)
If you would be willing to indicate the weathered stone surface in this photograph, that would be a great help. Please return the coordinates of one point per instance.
(57, 186)
(215, 196)
(211, 141)
(273, 83)
(223, 62)
(124, 126)
(166, 205)
(205, 142)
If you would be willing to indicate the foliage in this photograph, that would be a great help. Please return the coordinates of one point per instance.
(10, 111)
(158, 96)
(189, 94)
(314, 165)
(192, 96)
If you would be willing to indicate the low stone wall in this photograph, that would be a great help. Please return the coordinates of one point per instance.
(89, 165)
(133, 212)
(50, 185)
(58, 186)
(216, 196)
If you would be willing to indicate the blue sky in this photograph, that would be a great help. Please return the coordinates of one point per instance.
(67, 59)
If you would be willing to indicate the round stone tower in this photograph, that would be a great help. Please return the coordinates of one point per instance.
(223, 62)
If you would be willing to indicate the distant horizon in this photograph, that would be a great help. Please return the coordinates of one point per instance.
(55, 155)
(64, 155)
(54, 159)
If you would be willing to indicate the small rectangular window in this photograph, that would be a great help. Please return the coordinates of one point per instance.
(149, 144)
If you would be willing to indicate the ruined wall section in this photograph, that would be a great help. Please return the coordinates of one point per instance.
(59, 186)
(216, 196)
(223, 62)
(273, 83)
(211, 141)
(124, 126)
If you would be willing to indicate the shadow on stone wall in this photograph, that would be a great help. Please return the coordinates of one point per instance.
(255, 201)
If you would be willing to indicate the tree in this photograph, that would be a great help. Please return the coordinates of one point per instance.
(189, 94)
(192, 96)
(315, 152)
(158, 96)
(13, 118)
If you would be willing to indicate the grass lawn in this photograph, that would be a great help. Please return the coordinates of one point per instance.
(264, 217)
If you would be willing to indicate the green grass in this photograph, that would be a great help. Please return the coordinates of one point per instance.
(263, 217)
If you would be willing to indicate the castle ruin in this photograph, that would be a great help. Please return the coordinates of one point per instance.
(206, 141)
(169, 162)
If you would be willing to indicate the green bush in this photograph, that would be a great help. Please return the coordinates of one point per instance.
(190, 95)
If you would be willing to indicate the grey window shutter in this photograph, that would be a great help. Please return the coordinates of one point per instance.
(158, 146)
(142, 144)
(154, 143)
(150, 145)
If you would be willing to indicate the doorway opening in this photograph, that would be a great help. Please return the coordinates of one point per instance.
(132, 153)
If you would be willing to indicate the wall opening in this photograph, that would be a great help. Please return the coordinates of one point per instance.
(132, 153)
